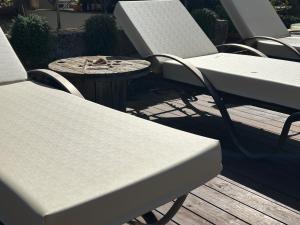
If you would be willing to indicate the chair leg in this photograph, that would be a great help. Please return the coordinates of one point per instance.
(220, 103)
(149, 217)
(286, 128)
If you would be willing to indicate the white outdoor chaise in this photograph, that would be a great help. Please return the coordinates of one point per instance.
(165, 29)
(257, 20)
(68, 161)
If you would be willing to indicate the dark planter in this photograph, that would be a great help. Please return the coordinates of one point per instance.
(221, 32)
(8, 11)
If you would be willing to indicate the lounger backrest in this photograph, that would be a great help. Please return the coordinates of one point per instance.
(11, 69)
(162, 26)
(255, 18)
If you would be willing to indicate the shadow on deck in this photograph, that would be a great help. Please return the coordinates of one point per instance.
(248, 191)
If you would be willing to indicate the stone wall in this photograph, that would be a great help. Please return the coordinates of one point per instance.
(67, 43)
(70, 43)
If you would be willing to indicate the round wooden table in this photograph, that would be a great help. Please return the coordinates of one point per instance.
(102, 79)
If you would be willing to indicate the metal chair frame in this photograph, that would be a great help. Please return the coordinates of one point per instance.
(220, 103)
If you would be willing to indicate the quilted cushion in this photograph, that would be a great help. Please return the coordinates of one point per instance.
(150, 29)
(65, 160)
(11, 69)
(269, 80)
(255, 18)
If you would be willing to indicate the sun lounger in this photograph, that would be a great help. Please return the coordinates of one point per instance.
(65, 160)
(257, 20)
(165, 27)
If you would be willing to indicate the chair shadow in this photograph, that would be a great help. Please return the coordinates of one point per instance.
(276, 176)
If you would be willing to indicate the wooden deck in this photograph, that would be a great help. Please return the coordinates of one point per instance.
(248, 191)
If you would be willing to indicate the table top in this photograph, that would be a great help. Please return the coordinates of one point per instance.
(100, 66)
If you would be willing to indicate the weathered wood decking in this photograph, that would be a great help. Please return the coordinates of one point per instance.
(248, 191)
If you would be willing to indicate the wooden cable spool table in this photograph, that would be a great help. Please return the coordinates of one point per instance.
(102, 79)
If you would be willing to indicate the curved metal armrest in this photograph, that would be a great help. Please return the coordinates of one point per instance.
(51, 78)
(288, 46)
(196, 72)
(242, 47)
(294, 32)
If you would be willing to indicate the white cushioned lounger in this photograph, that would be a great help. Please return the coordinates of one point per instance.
(156, 27)
(259, 18)
(65, 160)
(11, 69)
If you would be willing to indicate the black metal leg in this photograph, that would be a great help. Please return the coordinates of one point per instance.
(286, 128)
(150, 218)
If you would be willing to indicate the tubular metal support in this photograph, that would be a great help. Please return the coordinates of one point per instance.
(218, 100)
(49, 77)
(242, 47)
(286, 128)
(294, 31)
(151, 219)
(288, 46)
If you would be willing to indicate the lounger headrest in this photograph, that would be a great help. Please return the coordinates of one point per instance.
(11, 69)
(162, 26)
(255, 18)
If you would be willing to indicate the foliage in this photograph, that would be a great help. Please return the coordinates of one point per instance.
(221, 12)
(30, 37)
(199, 4)
(288, 20)
(110, 4)
(285, 9)
(206, 18)
(5, 3)
(101, 35)
(279, 2)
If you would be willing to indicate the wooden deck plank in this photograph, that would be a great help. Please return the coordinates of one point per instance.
(245, 111)
(254, 201)
(272, 175)
(184, 216)
(250, 122)
(233, 207)
(210, 212)
(239, 185)
(158, 216)
(241, 116)
(276, 194)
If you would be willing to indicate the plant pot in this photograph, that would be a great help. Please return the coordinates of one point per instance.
(221, 32)
(84, 7)
(34, 4)
(77, 8)
(8, 11)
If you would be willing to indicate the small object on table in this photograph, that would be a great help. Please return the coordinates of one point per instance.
(102, 79)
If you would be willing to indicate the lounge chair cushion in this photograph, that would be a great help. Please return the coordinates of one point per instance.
(255, 18)
(269, 80)
(275, 49)
(65, 160)
(11, 69)
(145, 24)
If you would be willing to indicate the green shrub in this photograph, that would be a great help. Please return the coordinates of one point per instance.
(30, 37)
(206, 18)
(199, 4)
(101, 35)
(288, 20)
(286, 11)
